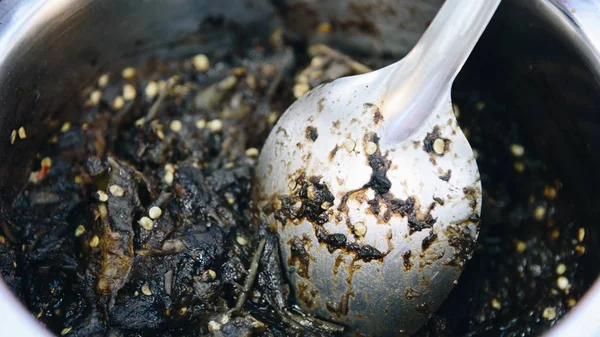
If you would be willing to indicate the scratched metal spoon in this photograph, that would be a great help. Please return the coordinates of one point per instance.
(373, 188)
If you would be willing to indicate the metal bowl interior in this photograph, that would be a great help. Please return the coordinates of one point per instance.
(531, 55)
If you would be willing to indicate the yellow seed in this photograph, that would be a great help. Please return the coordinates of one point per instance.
(272, 118)
(151, 90)
(325, 205)
(300, 89)
(94, 241)
(146, 290)
(439, 146)
(241, 240)
(160, 134)
(580, 249)
(562, 283)
(85, 126)
(571, 302)
(79, 230)
(539, 213)
(371, 148)
(215, 125)
(103, 80)
(155, 212)
(128, 73)
(176, 125)
(229, 165)
(78, 180)
(456, 110)
(324, 28)
(201, 62)
(47, 162)
(480, 106)
(116, 190)
(555, 234)
(22, 133)
(183, 311)
(65, 127)
(517, 150)
(13, 136)
(140, 121)
(169, 167)
(561, 269)
(230, 198)
(581, 234)
(310, 192)
(129, 92)
(95, 97)
(65, 331)
(209, 275)
(102, 196)
(118, 103)
(549, 313)
(496, 304)
(277, 204)
(549, 192)
(519, 167)
(201, 124)
(252, 152)
(349, 144)
(360, 229)
(168, 177)
(146, 223)
(520, 246)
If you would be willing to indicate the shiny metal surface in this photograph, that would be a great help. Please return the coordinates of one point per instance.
(398, 111)
(53, 48)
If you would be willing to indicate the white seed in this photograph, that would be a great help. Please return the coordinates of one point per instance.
(65, 127)
(252, 152)
(116, 190)
(168, 177)
(439, 146)
(214, 326)
(129, 92)
(225, 319)
(118, 103)
(517, 150)
(95, 97)
(549, 313)
(310, 192)
(94, 241)
(561, 269)
(360, 229)
(155, 212)
(201, 62)
(79, 230)
(13, 136)
(176, 125)
(371, 148)
(151, 90)
(146, 223)
(146, 290)
(539, 213)
(65, 331)
(496, 304)
(140, 121)
(102, 196)
(581, 234)
(325, 205)
(230, 198)
(22, 133)
(128, 73)
(103, 80)
(215, 125)
(562, 282)
(349, 144)
(200, 124)
(170, 167)
(480, 106)
(241, 240)
(300, 89)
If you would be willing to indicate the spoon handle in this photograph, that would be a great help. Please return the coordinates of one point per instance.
(418, 82)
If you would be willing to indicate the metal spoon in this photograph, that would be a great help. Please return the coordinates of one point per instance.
(373, 188)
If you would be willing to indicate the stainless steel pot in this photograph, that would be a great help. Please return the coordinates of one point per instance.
(50, 49)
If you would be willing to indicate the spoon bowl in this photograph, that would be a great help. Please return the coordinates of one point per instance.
(373, 188)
